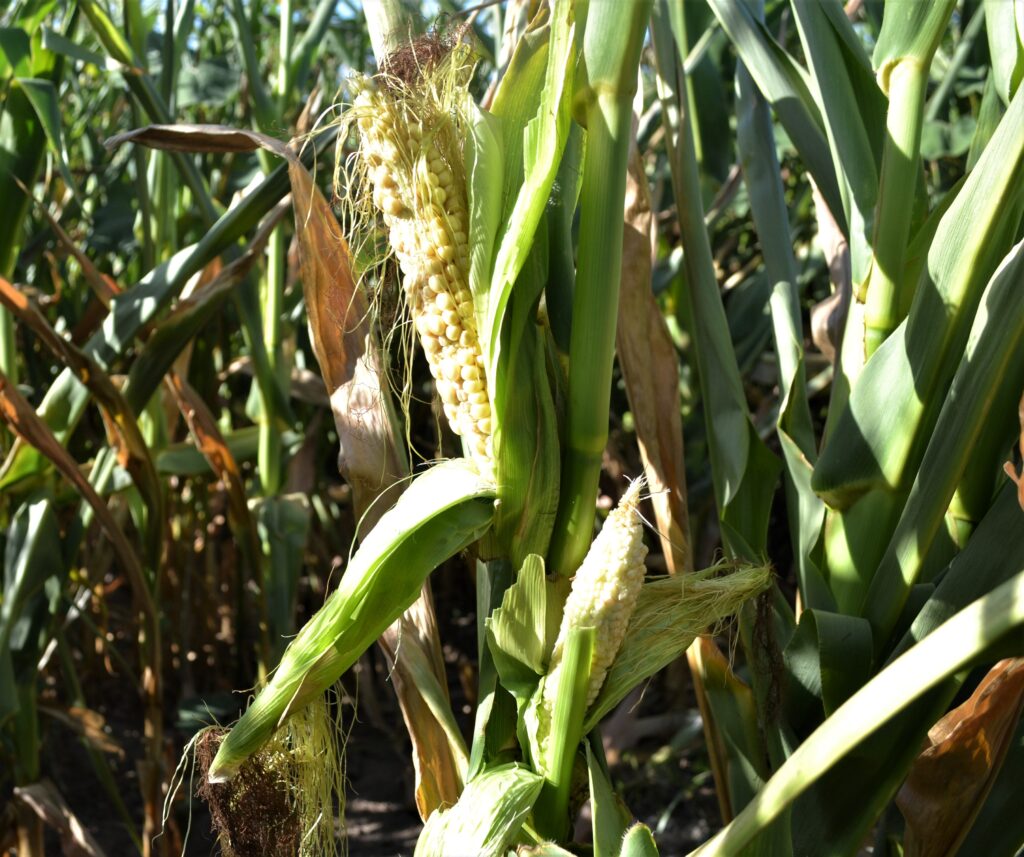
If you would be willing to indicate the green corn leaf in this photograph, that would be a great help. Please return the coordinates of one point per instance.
(42, 94)
(282, 523)
(15, 53)
(542, 141)
(743, 469)
(990, 112)
(984, 393)
(54, 41)
(853, 110)
(496, 717)
(842, 806)
(526, 438)
(784, 83)
(31, 556)
(1004, 21)
(943, 653)
(910, 32)
(829, 657)
(484, 160)
(879, 438)
(554, 743)
(487, 818)
(441, 512)
(522, 141)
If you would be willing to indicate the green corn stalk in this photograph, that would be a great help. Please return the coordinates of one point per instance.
(603, 100)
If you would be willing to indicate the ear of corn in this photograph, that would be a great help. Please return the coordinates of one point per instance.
(445, 509)
(414, 161)
(605, 589)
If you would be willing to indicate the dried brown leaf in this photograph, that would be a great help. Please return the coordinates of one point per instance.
(650, 368)
(952, 777)
(123, 430)
(343, 342)
(209, 440)
(200, 138)
(49, 805)
(89, 724)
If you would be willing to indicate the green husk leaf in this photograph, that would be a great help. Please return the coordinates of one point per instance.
(487, 817)
(517, 630)
(609, 816)
(542, 142)
(639, 842)
(440, 513)
(670, 613)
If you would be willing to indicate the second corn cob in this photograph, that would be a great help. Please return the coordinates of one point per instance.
(413, 160)
(603, 595)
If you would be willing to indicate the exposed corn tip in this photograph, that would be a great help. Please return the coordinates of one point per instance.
(604, 591)
(420, 190)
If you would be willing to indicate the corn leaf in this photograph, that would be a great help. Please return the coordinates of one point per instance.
(42, 94)
(555, 755)
(841, 807)
(496, 715)
(31, 556)
(853, 110)
(517, 630)
(542, 141)
(759, 162)
(609, 816)
(444, 509)
(984, 391)
(1004, 21)
(785, 85)
(879, 439)
(743, 470)
(829, 657)
(942, 654)
(910, 31)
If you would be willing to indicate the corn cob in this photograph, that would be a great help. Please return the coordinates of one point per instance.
(409, 148)
(604, 592)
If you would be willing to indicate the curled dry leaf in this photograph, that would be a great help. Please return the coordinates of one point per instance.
(49, 805)
(828, 318)
(89, 724)
(650, 368)
(952, 777)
